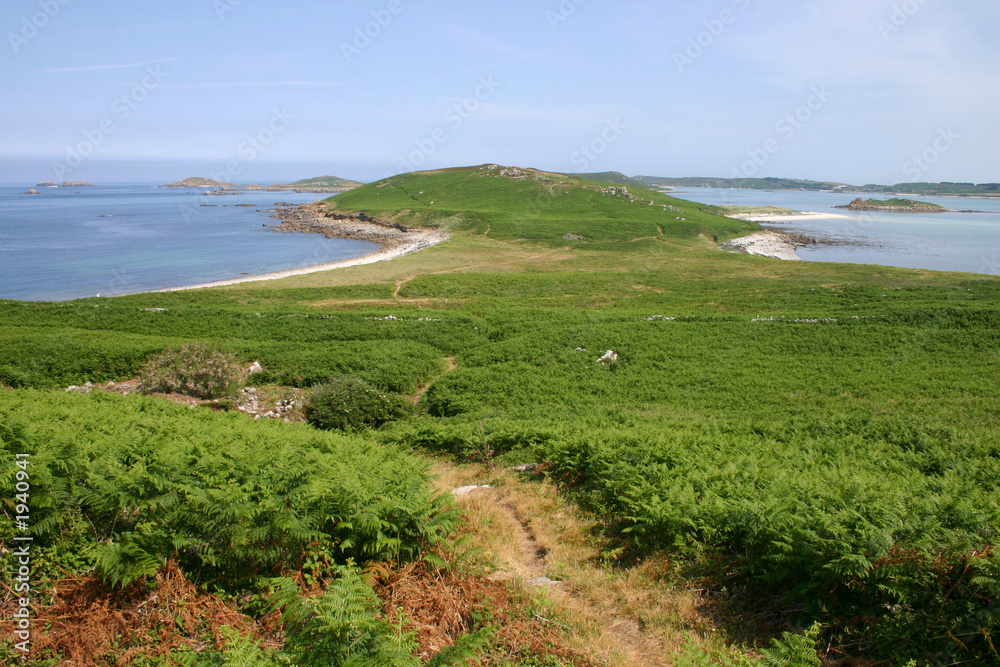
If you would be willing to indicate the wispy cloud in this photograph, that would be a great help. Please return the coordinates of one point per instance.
(473, 70)
(249, 84)
(97, 68)
(481, 41)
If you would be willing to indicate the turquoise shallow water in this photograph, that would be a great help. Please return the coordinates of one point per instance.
(967, 242)
(67, 243)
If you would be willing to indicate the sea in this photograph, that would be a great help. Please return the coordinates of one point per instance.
(950, 241)
(72, 242)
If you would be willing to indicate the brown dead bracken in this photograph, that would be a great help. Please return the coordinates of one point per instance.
(90, 624)
(440, 606)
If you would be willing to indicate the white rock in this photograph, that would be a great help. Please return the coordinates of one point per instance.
(466, 490)
(541, 581)
(608, 357)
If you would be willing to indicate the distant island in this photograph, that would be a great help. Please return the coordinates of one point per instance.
(324, 182)
(741, 183)
(614, 177)
(65, 184)
(943, 189)
(199, 182)
(321, 184)
(893, 206)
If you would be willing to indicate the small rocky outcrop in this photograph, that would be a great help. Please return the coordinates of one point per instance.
(312, 218)
(893, 206)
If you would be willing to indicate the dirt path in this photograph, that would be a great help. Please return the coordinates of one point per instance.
(399, 286)
(621, 636)
(451, 365)
(532, 553)
(403, 281)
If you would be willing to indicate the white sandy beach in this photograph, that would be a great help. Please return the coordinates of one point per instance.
(765, 244)
(414, 240)
(791, 217)
(770, 243)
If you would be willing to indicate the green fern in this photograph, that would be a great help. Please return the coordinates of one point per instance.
(339, 627)
(466, 649)
(121, 563)
(794, 650)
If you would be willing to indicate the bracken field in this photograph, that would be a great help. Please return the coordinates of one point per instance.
(814, 445)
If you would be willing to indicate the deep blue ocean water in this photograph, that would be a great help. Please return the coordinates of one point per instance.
(67, 243)
(967, 242)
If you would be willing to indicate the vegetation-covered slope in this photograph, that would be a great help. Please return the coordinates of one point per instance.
(807, 442)
(512, 203)
(615, 177)
(326, 182)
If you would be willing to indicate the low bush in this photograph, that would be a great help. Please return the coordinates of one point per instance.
(350, 404)
(194, 369)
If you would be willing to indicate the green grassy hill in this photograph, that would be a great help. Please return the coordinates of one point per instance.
(946, 188)
(326, 182)
(512, 203)
(615, 177)
(199, 182)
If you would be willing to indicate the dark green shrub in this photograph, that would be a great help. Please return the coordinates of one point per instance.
(350, 403)
(194, 369)
(14, 377)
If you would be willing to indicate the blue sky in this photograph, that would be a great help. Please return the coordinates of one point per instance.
(857, 91)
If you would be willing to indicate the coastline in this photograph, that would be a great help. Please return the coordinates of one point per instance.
(394, 241)
(772, 243)
(790, 217)
(765, 244)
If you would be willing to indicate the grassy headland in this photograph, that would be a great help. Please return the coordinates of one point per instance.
(796, 441)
